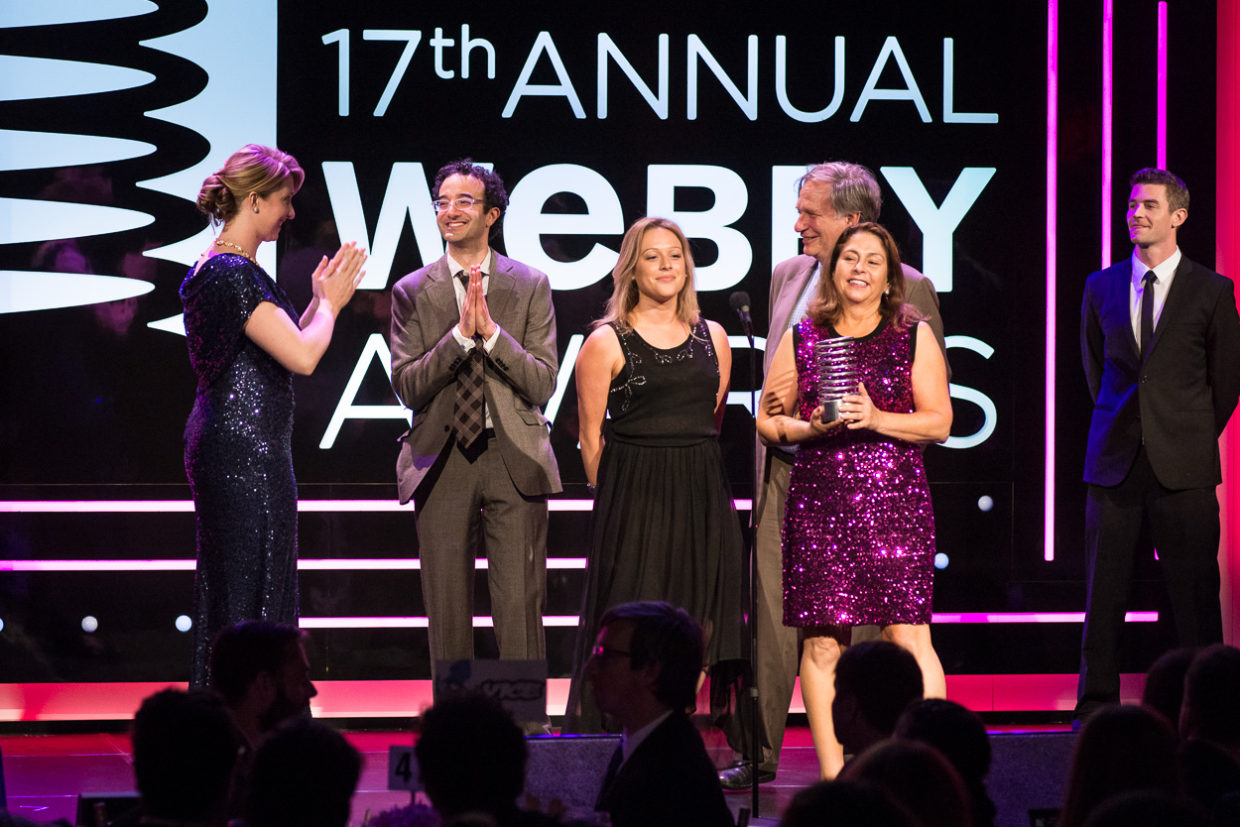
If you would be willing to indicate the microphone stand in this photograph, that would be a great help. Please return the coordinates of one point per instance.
(755, 748)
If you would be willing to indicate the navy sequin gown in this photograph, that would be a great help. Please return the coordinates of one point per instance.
(238, 456)
(664, 527)
(858, 534)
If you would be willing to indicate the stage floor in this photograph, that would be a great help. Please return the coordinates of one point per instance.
(44, 774)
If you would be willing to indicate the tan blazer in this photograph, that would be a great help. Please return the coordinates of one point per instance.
(520, 372)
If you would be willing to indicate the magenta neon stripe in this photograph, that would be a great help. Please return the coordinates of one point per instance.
(1032, 617)
(1162, 85)
(416, 622)
(95, 506)
(480, 622)
(96, 565)
(307, 506)
(1108, 90)
(310, 564)
(1052, 219)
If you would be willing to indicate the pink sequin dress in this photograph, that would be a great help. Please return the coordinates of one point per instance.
(858, 533)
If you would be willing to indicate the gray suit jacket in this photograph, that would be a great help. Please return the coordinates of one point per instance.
(520, 372)
(789, 278)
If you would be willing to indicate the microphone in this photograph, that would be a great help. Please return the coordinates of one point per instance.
(837, 373)
(740, 303)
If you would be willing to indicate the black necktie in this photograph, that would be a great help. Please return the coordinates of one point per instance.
(1147, 313)
(469, 410)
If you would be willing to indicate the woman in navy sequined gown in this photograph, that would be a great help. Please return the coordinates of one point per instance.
(245, 342)
(664, 527)
(858, 533)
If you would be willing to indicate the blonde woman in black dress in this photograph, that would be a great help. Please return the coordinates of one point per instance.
(652, 383)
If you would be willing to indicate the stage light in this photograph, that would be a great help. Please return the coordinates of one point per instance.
(1, 624)
(89, 624)
(985, 503)
(183, 623)
(941, 561)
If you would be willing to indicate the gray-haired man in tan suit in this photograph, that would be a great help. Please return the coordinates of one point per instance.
(831, 197)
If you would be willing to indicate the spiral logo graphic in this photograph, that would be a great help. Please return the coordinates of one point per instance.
(114, 111)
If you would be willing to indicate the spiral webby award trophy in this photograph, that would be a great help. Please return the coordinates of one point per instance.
(837, 373)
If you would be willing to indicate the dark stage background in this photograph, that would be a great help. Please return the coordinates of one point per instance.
(594, 116)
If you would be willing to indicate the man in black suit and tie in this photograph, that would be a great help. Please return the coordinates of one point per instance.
(1160, 341)
(644, 671)
(474, 358)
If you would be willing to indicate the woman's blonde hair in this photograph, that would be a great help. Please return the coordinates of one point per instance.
(253, 168)
(827, 308)
(624, 276)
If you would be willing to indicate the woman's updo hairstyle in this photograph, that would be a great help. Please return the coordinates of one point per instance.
(252, 168)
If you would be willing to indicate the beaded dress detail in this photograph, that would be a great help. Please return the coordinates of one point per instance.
(238, 456)
(858, 533)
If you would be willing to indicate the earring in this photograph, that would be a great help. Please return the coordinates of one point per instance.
(256, 209)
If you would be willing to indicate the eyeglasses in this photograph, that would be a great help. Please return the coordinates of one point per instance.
(603, 652)
(461, 202)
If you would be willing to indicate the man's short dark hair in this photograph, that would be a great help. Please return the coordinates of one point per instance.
(245, 650)
(494, 194)
(668, 636)
(883, 678)
(1177, 190)
(1211, 688)
(304, 775)
(471, 756)
(184, 749)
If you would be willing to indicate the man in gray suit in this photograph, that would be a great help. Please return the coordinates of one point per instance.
(831, 197)
(474, 358)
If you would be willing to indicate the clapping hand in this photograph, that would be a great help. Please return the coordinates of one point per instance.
(335, 281)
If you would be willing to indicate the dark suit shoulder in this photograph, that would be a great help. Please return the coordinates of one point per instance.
(668, 780)
(1101, 280)
(1200, 273)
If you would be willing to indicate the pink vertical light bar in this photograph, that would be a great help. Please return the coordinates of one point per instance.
(1162, 85)
(1052, 218)
(1108, 89)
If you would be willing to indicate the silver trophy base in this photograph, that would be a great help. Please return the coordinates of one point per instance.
(831, 410)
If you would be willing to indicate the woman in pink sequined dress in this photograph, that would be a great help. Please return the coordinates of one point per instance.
(858, 533)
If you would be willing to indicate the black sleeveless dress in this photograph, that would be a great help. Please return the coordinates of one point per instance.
(664, 527)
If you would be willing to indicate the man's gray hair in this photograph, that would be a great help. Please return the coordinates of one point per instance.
(853, 188)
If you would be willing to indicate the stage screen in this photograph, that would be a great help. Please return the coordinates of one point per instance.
(114, 112)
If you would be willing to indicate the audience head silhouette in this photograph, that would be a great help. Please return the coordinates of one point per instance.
(1120, 749)
(304, 775)
(261, 671)
(957, 733)
(874, 682)
(917, 777)
(1164, 684)
(843, 803)
(471, 756)
(184, 748)
(1211, 689)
